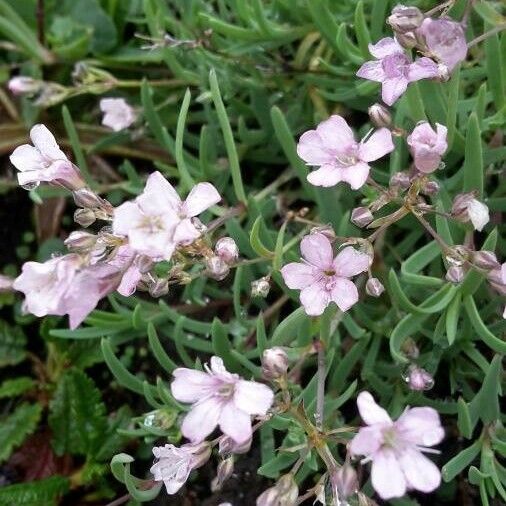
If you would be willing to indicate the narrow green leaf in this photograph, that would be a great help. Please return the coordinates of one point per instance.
(453, 87)
(361, 30)
(458, 463)
(452, 317)
(158, 351)
(256, 242)
(186, 179)
(221, 345)
(473, 162)
(286, 331)
(464, 422)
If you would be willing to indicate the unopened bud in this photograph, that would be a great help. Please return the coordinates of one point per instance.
(325, 230)
(80, 241)
(485, 260)
(274, 363)
(374, 287)
(443, 73)
(22, 85)
(216, 268)
(407, 40)
(361, 216)
(380, 116)
(88, 199)
(201, 453)
(159, 288)
(405, 18)
(418, 379)
(223, 473)
(401, 179)
(284, 493)
(6, 283)
(497, 279)
(430, 188)
(84, 217)
(227, 250)
(455, 274)
(467, 208)
(227, 446)
(261, 287)
(460, 205)
(345, 481)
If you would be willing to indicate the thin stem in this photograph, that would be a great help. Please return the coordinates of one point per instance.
(320, 392)
(438, 8)
(121, 500)
(40, 21)
(432, 232)
(493, 31)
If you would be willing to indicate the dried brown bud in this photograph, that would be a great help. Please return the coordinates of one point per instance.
(401, 180)
(405, 18)
(223, 473)
(374, 287)
(159, 287)
(455, 274)
(84, 217)
(261, 287)
(361, 216)
(80, 241)
(380, 116)
(284, 493)
(274, 363)
(407, 40)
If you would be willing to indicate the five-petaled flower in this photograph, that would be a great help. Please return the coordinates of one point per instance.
(333, 148)
(157, 221)
(427, 146)
(394, 69)
(395, 448)
(118, 115)
(322, 278)
(219, 398)
(45, 161)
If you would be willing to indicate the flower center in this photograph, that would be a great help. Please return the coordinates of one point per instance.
(226, 390)
(151, 224)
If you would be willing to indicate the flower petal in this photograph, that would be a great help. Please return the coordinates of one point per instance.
(298, 275)
(393, 88)
(344, 294)
(420, 472)
(372, 70)
(421, 426)
(201, 197)
(478, 214)
(190, 385)
(129, 281)
(157, 184)
(367, 441)
(317, 250)
(27, 158)
(315, 299)
(422, 68)
(386, 475)
(377, 145)
(335, 133)
(385, 47)
(235, 423)
(356, 175)
(125, 217)
(45, 142)
(201, 420)
(252, 397)
(350, 262)
(371, 412)
(185, 232)
(311, 149)
(326, 175)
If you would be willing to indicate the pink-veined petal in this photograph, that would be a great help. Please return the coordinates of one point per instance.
(201, 197)
(253, 398)
(185, 232)
(422, 68)
(367, 441)
(370, 411)
(344, 294)
(235, 423)
(190, 385)
(385, 47)
(315, 299)
(377, 145)
(45, 142)
(126, 216)
(26, 158)
(441, 143)
(421, 426)
(386, 475)
(350, 262)
(317, 250)
(202, 419)
(129, 281)
(326, 175)
(157, 184)
(311, 149)
(393, 88)
(335, 133)
(420, 472)
(298, 275)
(372, 70)
(356, 175)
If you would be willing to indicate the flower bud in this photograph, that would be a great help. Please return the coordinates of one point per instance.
(401, 179)
(361, 216)
(380, 116)
(418, 379)
(84, 217)
(460, 204)
(88, 199)
(284, 493)
(261, 287)
(227, 250)
(407, 40)
(455, 274)
(159, 288)
(430, 188)
(227, 446)
(80, 241)
(223, 473)
(497, 279)
(345, 481)
(467, 208)
(405, 18)
(443, 73)
(22, 85)
(325, 230)
(6, 283)
(374, 287)
(201, 452)
(216, 268)
(485, 260)
(274, 363)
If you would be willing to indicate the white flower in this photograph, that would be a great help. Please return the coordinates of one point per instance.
(118, 115)
(478, 214)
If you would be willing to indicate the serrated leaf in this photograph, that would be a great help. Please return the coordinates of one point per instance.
(12, 345)
(15, 387)
(15, 427)
(37, 493)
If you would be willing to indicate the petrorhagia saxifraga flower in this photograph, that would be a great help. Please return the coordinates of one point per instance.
(118, 114)
(332, 147)
(427, 146)
(219, 398)
(322, 278)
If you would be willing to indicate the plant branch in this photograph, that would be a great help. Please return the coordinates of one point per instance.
(486, 35)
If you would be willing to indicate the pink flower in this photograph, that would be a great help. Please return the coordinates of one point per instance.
(45, 161)
(395, 448)
(118, 115)
(445, 39)
(427, 146)
(219, 398)
(174, 465)
(322, 278)
(333, 148)
(394, 69)
(22, 85)
(157, 221)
